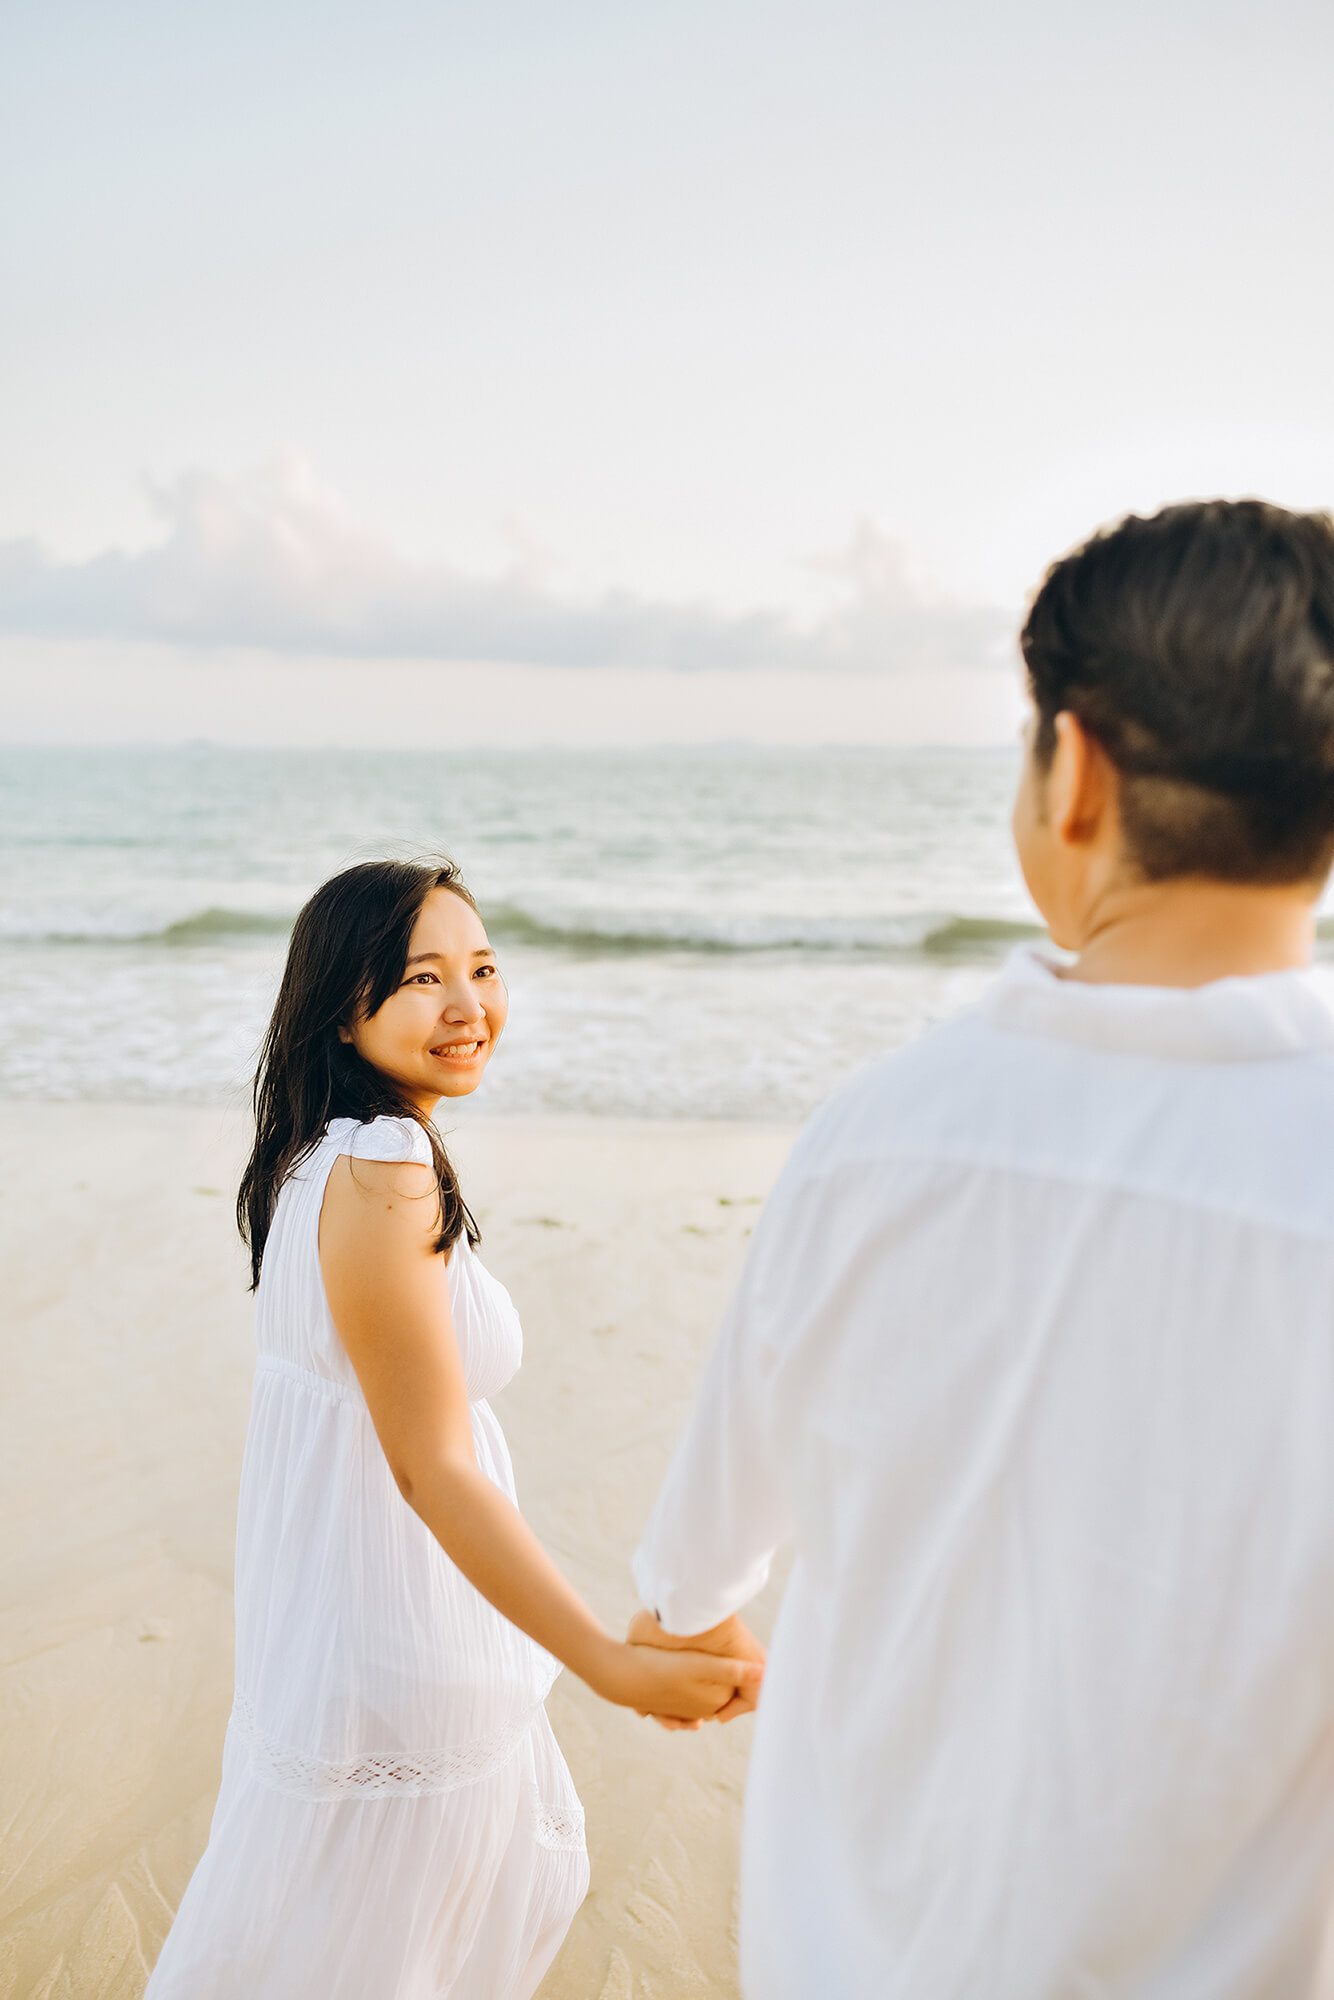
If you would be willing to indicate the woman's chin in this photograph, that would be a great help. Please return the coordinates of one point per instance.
(458, 1083)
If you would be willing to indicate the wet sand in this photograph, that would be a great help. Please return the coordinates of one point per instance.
(127, 1361)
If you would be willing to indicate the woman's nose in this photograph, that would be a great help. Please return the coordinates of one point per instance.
(463, 1005)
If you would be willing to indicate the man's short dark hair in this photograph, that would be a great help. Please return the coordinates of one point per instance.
(1197, 647)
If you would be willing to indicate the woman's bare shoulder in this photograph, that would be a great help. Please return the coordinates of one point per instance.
(395, 1195)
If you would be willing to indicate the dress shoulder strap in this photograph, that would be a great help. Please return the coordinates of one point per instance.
(382, 1139)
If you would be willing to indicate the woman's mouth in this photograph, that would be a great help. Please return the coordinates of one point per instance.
(458, 1052)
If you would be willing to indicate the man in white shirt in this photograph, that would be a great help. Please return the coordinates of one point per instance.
(1033, 1358)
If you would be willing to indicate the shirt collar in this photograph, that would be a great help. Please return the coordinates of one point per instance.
(1229, 1020)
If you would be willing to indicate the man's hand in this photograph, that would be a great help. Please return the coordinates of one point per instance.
(732, 1640)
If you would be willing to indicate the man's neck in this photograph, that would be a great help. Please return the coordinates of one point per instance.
(1190, 931)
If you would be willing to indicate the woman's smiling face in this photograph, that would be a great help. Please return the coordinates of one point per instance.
(434, 1034)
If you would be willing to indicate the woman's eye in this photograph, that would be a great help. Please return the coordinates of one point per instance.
(422, 979)
(485, 972)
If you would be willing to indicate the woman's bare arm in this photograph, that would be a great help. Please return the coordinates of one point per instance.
(388, 1294)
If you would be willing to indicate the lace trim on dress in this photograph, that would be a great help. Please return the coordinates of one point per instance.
(560, 1828)
(375, 1773)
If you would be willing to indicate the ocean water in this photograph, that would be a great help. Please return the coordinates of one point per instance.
(724, 933)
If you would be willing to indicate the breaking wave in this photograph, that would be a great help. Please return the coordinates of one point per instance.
(933, 934)
(596, 934)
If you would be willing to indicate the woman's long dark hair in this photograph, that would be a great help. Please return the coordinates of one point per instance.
(348, 952)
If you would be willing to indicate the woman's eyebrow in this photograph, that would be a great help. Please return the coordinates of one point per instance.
(420, 957)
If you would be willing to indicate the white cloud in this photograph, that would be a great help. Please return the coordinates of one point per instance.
(277, 562)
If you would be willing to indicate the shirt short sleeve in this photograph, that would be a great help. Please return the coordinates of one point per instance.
(389, 1139)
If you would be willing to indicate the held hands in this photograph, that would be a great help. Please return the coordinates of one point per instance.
(733, 1648)
(680, 1685)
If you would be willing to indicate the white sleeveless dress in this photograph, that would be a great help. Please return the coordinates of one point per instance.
(395, 1820)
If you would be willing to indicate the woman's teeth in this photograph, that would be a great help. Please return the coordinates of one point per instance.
(459, 1050)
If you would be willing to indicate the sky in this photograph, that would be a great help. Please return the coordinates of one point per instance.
(729, 368)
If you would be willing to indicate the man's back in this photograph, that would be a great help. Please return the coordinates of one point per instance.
(1037, 1348)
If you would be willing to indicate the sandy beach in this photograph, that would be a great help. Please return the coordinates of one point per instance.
(127, 1361)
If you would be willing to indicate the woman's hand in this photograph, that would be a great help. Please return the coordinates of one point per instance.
(731, 1640)
(678, 1686)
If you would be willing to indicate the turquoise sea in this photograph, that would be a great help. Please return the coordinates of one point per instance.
(705, 934)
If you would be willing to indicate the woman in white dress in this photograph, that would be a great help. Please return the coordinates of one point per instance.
(395, 1820)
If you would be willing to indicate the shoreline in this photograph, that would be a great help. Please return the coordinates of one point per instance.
(226, 1108)
(128, 1350)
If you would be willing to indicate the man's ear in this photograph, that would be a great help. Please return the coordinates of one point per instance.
(1081, 783)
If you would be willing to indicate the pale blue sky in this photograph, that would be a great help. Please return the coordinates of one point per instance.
(658, 299)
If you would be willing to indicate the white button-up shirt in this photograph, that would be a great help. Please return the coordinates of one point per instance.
(1034, 1359)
